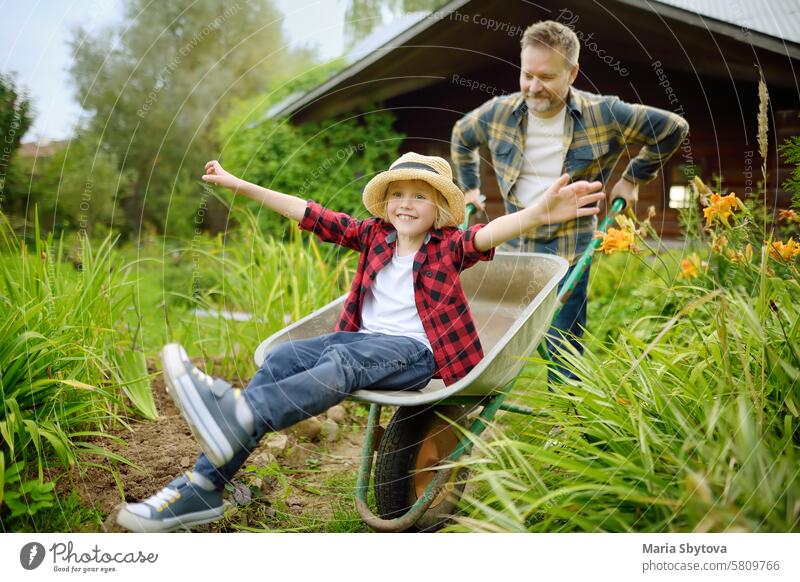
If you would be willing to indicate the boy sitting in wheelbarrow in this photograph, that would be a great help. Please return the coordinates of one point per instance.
(405, 321)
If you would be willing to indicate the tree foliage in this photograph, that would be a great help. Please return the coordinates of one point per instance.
(79, 188)
(15, 119)
(329, 161)
(364, 16)
(155, 84)
(791, 154)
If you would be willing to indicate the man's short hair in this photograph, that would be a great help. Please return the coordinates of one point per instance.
(555, 36)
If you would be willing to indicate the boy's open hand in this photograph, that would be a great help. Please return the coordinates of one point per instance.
(562, 202)
(216, 174)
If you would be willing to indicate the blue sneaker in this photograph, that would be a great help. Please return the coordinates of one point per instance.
(180, 505)
(207, 404)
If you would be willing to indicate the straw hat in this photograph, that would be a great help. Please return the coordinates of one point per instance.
(431, 169)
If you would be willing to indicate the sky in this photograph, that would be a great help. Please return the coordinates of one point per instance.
(33, 44)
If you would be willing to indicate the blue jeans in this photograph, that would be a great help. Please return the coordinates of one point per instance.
(568, 325)
(303, 378)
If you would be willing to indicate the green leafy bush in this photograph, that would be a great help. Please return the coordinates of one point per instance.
(687, 414)
(329, 161)
(66, 361)
(791, 153)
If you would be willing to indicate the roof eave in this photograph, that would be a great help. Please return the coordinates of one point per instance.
(753, 37)
(309, 97)
(740, 33)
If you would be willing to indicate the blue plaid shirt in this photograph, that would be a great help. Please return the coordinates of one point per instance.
(598, 129)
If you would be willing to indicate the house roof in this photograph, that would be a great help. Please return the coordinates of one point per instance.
(777, 18)
(764, 26)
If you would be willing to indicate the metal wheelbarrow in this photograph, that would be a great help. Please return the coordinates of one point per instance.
(513, 299)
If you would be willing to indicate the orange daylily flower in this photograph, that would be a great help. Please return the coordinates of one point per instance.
(788, 216)
(784, 251)
(721, 206)
(618, 239)
(615, 240)
(690, 267)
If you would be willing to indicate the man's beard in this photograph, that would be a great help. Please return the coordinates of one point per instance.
(543, 102)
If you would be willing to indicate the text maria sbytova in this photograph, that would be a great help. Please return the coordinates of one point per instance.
(694, 550)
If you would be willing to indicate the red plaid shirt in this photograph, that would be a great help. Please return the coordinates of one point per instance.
(441, 302)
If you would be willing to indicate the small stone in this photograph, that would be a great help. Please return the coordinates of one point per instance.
(241, 493)
(308, 429)
(264, 459)
(337, 414)
(330, 430)
(268, 484)
(276, 443)
(296, 455)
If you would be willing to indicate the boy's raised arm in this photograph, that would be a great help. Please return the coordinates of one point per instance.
(284, 204)
(558, 204)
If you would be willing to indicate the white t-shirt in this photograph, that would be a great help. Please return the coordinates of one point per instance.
(543, 157)
(389, 305)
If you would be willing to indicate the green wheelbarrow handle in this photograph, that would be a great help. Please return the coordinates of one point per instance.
(586, 258)
(580, 267)
(469, 211)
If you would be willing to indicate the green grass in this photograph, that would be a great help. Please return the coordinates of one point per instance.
(63, 376)
(687, 417)
(78, 321)
(335, 511)
(68, 514)
(686, 420)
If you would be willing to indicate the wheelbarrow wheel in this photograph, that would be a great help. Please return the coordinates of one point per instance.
(416, 439)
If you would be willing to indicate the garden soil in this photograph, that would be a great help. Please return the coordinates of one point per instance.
(162, 449)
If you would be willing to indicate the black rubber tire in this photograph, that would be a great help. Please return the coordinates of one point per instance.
(396, 458)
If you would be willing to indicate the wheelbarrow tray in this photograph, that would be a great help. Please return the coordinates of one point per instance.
(512, 298)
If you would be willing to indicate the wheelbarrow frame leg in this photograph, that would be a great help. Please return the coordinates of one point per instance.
(422, 504)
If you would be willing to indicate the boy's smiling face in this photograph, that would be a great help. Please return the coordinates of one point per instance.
(411, 207)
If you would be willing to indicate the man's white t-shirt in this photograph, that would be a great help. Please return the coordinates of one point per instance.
(543, 157)
(389, 305)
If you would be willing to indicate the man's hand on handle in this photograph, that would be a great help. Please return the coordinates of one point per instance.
(627, 190)
(473, 197)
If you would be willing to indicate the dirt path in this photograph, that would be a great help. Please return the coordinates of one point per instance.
(307, 486)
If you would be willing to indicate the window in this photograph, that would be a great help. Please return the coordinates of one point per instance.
(679, 194)
(679, 197)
